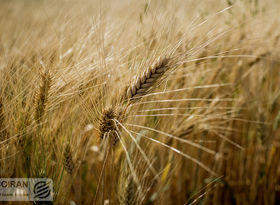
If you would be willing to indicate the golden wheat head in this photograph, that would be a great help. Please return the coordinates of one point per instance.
(42, 95)
(147, 80)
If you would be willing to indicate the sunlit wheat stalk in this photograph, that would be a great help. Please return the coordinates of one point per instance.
(2, 123)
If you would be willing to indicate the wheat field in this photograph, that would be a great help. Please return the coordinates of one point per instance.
(142, 102)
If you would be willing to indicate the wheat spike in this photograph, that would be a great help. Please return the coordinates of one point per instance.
(68, 160)
(145, 82)
(107, 125)
(42, 95)
(129, 198)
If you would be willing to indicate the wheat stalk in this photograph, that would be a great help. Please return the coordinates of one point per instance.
(1, 118)
(3, 131)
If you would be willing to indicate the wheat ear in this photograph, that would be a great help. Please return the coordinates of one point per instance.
(148, 79)
(42, 95)
(107, 126)
(130, 190)
(68, 160)
(129, 194)
(143, 85)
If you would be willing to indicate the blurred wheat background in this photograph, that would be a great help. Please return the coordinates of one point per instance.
(142, 102)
